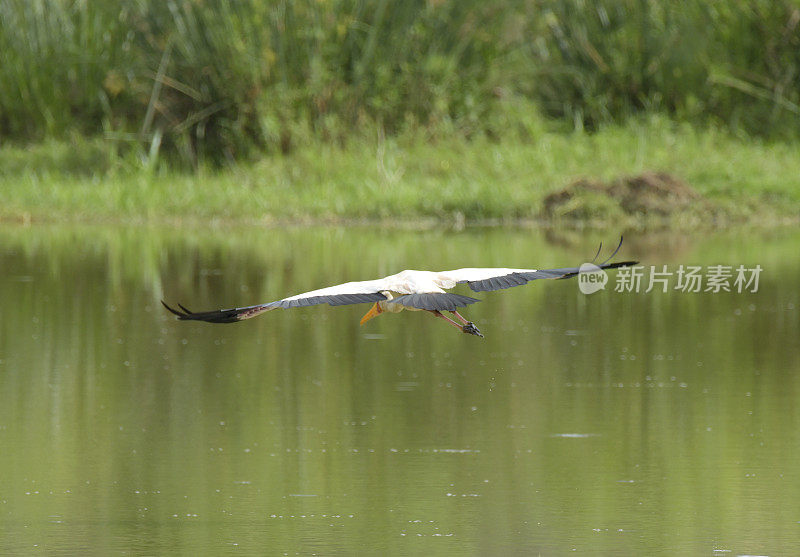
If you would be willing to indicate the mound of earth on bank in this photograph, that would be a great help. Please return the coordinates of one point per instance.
(650, 194)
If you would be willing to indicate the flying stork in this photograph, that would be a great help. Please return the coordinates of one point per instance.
(411, 290)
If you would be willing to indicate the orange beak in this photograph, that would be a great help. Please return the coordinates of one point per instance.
(374, 311)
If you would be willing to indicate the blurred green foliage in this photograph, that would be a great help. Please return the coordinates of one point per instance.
(215, 80)
(410, 178)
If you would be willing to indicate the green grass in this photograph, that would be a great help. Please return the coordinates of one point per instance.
(400, 178)
(212, 81)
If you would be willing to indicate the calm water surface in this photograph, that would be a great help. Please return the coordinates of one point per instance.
(617, 423)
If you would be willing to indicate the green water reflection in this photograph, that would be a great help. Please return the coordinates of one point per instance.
(613, 423)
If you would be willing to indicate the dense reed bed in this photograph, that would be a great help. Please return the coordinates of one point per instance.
(205, 81)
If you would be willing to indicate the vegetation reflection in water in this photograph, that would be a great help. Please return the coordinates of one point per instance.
(636, 423)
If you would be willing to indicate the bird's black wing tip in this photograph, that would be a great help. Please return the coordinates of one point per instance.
(218, 316)
(610, 257)
(618, 264)
(180, 314)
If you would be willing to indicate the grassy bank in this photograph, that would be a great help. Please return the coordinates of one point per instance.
(470, 111)
(410, 178)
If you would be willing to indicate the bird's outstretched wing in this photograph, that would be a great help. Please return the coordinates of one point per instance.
(481, 280)
(339, 295)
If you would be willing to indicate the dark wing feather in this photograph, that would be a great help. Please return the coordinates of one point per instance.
(238, 314)
(518, 279)
(331, 299)
(441, 301)
(219, 316)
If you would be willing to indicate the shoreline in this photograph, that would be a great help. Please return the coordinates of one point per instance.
(651, 174)
(761, 222)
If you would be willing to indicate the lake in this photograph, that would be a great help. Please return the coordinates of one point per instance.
(619, 423)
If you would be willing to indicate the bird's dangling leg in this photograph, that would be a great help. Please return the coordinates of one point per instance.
(468, 327)
(464, 321)
(471, 329)
(438, 313)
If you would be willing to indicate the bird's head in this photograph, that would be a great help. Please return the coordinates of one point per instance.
(377, 308)
(374, 311)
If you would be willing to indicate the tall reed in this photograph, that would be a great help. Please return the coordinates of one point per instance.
(219, 79)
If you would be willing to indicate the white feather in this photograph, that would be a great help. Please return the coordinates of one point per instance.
(472, 274)
(357, 287)
(410, 282)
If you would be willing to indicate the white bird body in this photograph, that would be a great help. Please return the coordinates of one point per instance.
(411, 282)
(409, 289)
(472, 274)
